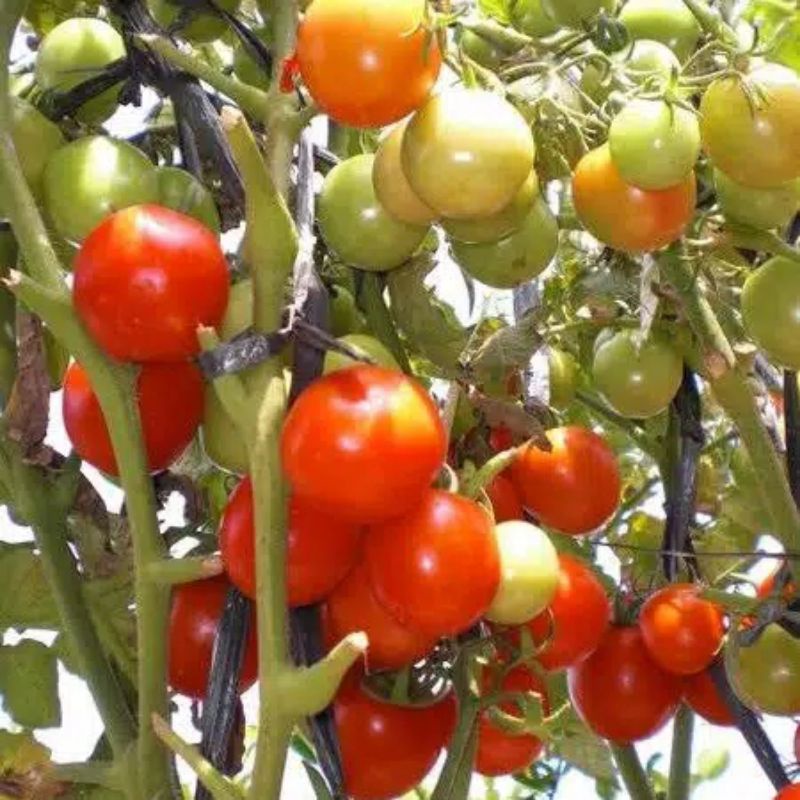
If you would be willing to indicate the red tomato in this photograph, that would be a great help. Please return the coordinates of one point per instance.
(352, 607)
(505, 499)
(620, 692)
(437, 568)
(387, 749)
(682, 631)
(499, 752)
(170, 398)
(623, 216)
(194, 616)
(789, 792)
(501, 438)
(575, 487)
(578, 618)
(767, 586)
(145, 279)
(321, 550)
(700, 692)
(367, 63)
(363, 443)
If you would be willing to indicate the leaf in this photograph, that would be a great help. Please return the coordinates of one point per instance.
(499, 9)
(321, 791)
(711, 763)
(25, 601)
(84, 791)
(587, 753)
(29, 684)
(44, 15)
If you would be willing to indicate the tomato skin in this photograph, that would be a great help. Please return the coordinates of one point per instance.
(204, 27)
(667, 21)
(529, 17)
(767, 586)
(700, 693)
(194, 616)
(789, 792)
(35, 138)
(575, 487)
(436, 569)
(564, 376)
(363, 443)
(145, 279)
(505, 499)
(366, 63)
(620, 692)
(170, 400)
(623, 216)
(181, 191)
(575, 12)
(760, 208)
(363, 344)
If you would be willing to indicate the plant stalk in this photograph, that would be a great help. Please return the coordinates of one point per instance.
(632, 772)
(680, 764)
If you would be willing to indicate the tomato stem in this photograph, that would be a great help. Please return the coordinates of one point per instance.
(680, 764)
(711, 22)
(172, 571)
(631, 771)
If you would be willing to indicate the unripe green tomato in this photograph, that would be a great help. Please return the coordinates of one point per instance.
(245, 66)
(90, 178)
(364, 345)
(36, 138)
(204, 27)
(481, 50)
(637, 381)
(574, 13)
(181, 191)
(344, 314)
(74, 51)
(760, 208)
(654, 145)
(529, 17)
(239, 313)
(667, 21)
(528, 573)
(222, 440)
(354, 224)
(515, 259)
(563, 377)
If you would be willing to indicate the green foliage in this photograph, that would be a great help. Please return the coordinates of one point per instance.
(499, 9)
(25, 601)
(29, 684)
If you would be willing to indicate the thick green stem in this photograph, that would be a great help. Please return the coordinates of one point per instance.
(172, 571)
(680, 764)
(631, 771)
(711, 22)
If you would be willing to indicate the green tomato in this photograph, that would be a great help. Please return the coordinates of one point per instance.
(181, 191)
(574, 13)
(530, 18)
(344, 314)
(355, 225)
(771, 310)
(500, 225)
(35, 140)
(759, 208)
(364, 345)
(91, 178)
(466, 153)
(73, 52)
(563, 377)
(222, 439)
(654, 145)
(518, 258)
(204, 27)
(245, 66)
(528, 573)
(637, 381)
(667, 21)
(481, 50)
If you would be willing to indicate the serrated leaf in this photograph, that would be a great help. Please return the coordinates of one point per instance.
(499, 9)
(29, 684)
(44, 15)
(25, 601)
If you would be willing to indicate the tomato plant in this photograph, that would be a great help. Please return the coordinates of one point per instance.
(667, 21)
(181, 191)
(575, 12)
(702, 695)
(362, 344)
(35, 139)
(202, 26)
(530, 17)
(505, 499)
(563, 382)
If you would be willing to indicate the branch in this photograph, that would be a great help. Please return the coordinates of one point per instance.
(680, 763)
(172, 571)
(632, 772)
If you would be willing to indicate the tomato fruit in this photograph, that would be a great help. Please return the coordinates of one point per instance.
(760, 208)
(767, 586)
(483, 51)
(528, 573)
(363, 443)
(575, 13)
(754, 141)
(181, 191)
(702, 696)
(204, 26)
(437, 568)
(623, 216)
(637, 379)
(365, 345)
(505, 499)
(620, 692)
(667, 21)
(194, 616)
(356, 226)
(345, 317)
(145, 279)
(93, 177)
(563, 375)
(501, 438)
(35, 140)
(222, 441)
(771, 310)
(789, 792)
(170, 401)
(246, 68)
(467, 152)
(575, 487)
(529, 17)
(516, 259)
(367, 63)
(75, 51)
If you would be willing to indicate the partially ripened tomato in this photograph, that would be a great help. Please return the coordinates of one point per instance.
(623, 216)
(320, 549)
(760, 208)
(194, 617)
(505, 499)
(702, 696)
(362, 344)
(363, 443)
(575, 487)
(170, 402)
(367, 63)
(181, 191)
(437, 568)
(620, 692)
(667, 21)
(145, 279)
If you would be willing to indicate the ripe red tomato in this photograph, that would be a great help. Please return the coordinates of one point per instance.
(352, 607)
(620, 692)
(575, 487)
(145, 279)
(367, 63)
(387, 749)
(505, 499)
(321, 550)
(170, 399)
(502, 753)
(700, 692)
(436, 569)
(363, 443)
(623, 216)
(195, 614)
(789, 792)
(577, 620)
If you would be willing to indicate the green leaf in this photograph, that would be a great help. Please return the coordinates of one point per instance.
(321, 790)
(25, 601)
(29, 684)
(44, 15)
(711, 763)
(499, 9)
(587, 753)
(84, 791)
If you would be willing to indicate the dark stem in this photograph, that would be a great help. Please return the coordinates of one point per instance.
(791, 415)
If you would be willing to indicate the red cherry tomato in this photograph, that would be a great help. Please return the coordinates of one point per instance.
(436, 569)
(170, 398)
(321, 550)
(789, 792)
(575, 487)
(363, 443)
(194, 616)
(505, 499)
(501, 438)
(702, 696)
(682, 631)
(145, 279)
(620, 692)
